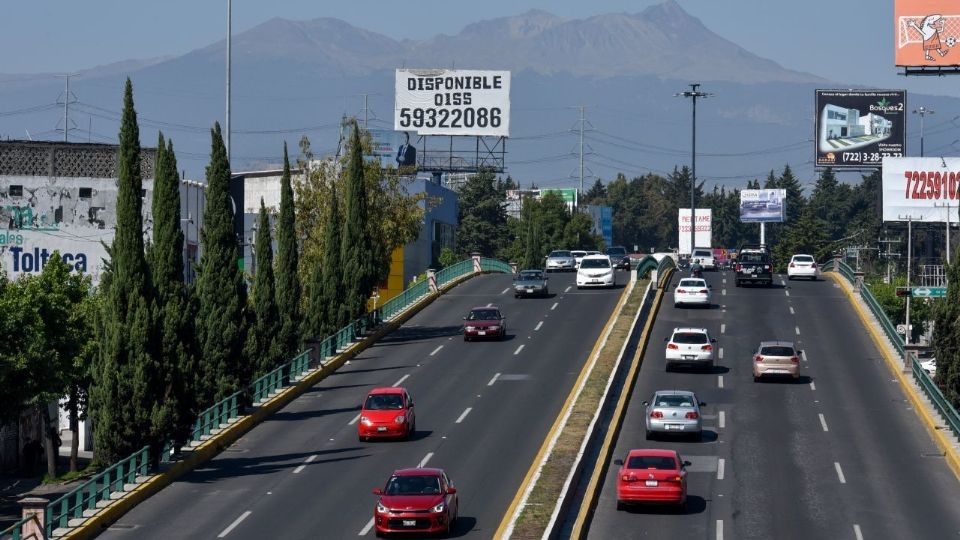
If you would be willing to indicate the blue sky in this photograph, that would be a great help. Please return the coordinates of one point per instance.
(845, 41)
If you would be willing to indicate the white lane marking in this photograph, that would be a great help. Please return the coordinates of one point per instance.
(797, 328)
(505, 290)
(791, 311)
(520, 348)
(720, 466)
(366, 528)
(539, 324)
(490, 304)
(719, 529)
(787, 292)
(720, 381)
(823, 422)
(435, 351)
(568, 288)
(857, 532)
(398, 383)
(493, 380)
(308, 460)
(233, 525)
(721, 353)
(724, 280)
(554, 306)
(464, 415)
(836, 465)
(423, 462)
(723, 292)
(354, 421)
(723, 420)
(723, 328)
(813, 385)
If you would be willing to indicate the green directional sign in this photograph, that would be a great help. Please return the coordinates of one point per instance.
(929, 292)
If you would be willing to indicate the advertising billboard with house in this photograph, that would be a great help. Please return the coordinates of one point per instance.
(926, 32)
(856, 129)
(763, 205)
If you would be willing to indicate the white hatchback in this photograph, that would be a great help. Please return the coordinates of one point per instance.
(803, 266)
(596, 271)
(692, 292)
(689, 347)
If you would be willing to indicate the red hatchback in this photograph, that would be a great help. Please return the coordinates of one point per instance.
(387, 412)
(416, 500)
(484, 322)
(652, 476)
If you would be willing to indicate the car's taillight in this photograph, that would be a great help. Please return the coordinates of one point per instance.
(792, 265)
(656, 414)
(757, 358)
(814, 266)
(693, 415)
(704, 291)
(628, 478)
(738, 267)
(677, 478)
(672, 346)
(795, 360)
(706, 348)
(682, 291)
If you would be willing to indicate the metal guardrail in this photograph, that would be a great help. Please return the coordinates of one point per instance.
(454, 271)
(15, 531)
(215, 416)
(647, 264)
(99, 488)
(494, 265)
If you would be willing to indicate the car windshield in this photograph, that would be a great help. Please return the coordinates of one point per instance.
(674, 401)
(616, 251)
(533, 274)
(559, 254)
(383, 402)
(752, 257)
(803, 258)
(777, 350)
(595, 263)
(413, 485)
(690, 337)
(663, 463)
(483, 315)
(692, 283)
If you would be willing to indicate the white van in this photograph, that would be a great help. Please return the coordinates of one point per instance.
(706, 258)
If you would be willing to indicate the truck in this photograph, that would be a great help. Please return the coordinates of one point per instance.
(753, 265)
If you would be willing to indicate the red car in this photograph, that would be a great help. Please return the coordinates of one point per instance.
(416, 500)
(484, 322)
(652, 476)
(387, 412)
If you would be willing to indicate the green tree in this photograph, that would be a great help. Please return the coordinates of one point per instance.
(263, 340)
(447, 257)
(946, 337)
(222, 294)
(597, 194)
(359, 272)
(482, 216)
(578, 232)
(288, 285)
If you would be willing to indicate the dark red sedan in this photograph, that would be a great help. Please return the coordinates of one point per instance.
(416, 500)
(484, 322)
(652, 476)
(387, 412)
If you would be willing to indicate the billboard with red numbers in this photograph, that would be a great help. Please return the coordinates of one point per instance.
(920, 188)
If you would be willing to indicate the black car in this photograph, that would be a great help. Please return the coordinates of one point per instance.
(618, 257)
(754, 265)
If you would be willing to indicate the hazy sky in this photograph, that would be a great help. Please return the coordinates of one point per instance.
(842, 40)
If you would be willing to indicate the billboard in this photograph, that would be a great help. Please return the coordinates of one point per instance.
(925, 32)
(452, 102)
(704, 229)
(858, 128)
(920, 188)
(396, 148)
(763, 205)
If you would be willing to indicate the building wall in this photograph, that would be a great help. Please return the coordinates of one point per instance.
(442, 209)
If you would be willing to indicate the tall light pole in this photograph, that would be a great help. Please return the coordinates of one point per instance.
(229, 59)
(693, 93)
(922, 111)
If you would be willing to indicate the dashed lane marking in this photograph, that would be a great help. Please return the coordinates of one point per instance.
(857, 532)
(722, 420)
(568, 288)
(301, 467)
(721, 353)
(398, 383)
(823, 423)
(797, 328)
(787, 293)
(516, 352)
(505, 290)
(791, 311)
(836, 465)
(423, 462)
(233, 525)
(435, 351)
(539, 324)
(366, 528)
(354, 421)
(464, 415)
(719, 381)
(813, 385)
(723, 328)
(721, 463)
(493, 380)
(719, 529)
(554, 306)
(723, 292)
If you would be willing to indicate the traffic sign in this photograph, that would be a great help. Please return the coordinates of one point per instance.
(929, 292)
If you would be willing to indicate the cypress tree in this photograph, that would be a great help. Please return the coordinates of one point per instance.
(220, 288)
(288, 286)
(359, 273)
(126, 376)
(263, 341)
(333, 294)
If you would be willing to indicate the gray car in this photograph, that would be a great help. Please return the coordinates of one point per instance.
(561, 260)
(530, 283)
(674, 411)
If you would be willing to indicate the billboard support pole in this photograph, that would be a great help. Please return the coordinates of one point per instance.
(763, 233)
(906, 339)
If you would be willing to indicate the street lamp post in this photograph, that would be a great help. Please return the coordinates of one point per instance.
(922, 111)
(693, 93)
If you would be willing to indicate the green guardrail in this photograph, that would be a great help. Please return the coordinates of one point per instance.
(664, 268)
(15, 531)
(494, 265)
(212, 418)
(454, 271)
(99, 488)
(645, 265)
(942, 404)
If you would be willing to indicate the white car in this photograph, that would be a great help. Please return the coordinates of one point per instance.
(692, 292)
(803, 266)
(691, 347)
(929, 366)
(596, 271)
(706, 258)
(577, 257)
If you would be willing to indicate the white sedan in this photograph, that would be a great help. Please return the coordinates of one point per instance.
(803, 266)
(691, 347)
(692, 292)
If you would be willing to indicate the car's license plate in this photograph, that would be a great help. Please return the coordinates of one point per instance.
(481, 333)
(529, 290)
(689, 357)
(753, 275)
(778, 371)
(409, 523)
(673, 426)
(651, 483)
(381, 428)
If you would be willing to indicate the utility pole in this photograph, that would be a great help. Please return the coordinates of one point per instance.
(947, 206)
(581, 149)
(229, 59)
(922, 111)
(909, 219)
(693, 93)
(68, 98)
(366, 110)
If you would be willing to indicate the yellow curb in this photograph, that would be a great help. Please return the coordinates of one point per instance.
(216, 444)
(508, 516)
(919, 406)
(606, 451)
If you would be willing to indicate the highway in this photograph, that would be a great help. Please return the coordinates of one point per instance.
(483, 411)
(837, 455)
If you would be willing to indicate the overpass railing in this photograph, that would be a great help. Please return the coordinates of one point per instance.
(924, 381)
(25, 529)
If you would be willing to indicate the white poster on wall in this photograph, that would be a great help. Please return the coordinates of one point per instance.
(452, 102)
(920, 188)
(703, 232)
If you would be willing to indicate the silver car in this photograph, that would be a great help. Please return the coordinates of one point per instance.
(674, 411)
(560, 260)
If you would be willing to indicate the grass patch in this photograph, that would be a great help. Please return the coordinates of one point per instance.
(70, 476)
(542, 500)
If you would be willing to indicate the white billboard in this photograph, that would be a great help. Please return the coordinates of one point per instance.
(920, 188)
(704, 229)
(757, 205)
(452, 102)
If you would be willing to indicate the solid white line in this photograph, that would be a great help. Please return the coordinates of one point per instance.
(720, 467)
(554, 306)
(233, 525)
(721, 353)
(723, 328)
(398, 383)
(813, 385)
(723, 420)
(719, 529)
(797, 328)
(568, 288)
(856, 532)
(366, 528)
(836, 466)
(823, 422)
(791, 311)
(493, 380)
(505, 290)
(464, 415)
(354, 421)
(720, 381)
(300, 468)
(520, 348)
(539, 324)
(423, 462)
(435, 351)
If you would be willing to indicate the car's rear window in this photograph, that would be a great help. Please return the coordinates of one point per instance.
(702, 253)
(595, 263)
(692, 283)
(383, 402)
(559, 254)
(616, 251)
(753, 257)
(690, 337)
(652, 462)
(803, 258)
(776, 351)
(413, 485)
(674, 401)
(531, 275)
(483, 315)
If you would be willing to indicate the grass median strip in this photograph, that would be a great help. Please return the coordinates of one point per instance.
(541, 503)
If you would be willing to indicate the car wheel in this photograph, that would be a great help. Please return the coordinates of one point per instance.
(516, 296)
(546, 292)
(789, 278)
